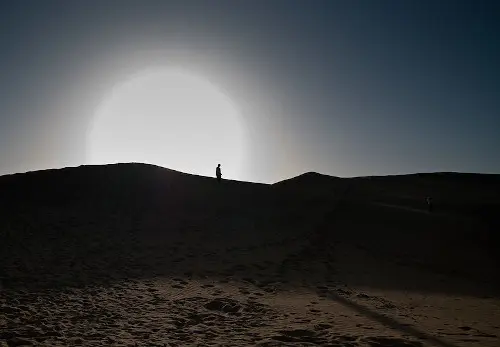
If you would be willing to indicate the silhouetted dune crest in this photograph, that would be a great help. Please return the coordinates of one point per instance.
(308, 177)
(97, 182)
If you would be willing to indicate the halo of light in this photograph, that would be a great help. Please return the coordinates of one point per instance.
(171, 118)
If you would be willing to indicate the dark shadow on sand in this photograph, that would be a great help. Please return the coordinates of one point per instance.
(389, 322)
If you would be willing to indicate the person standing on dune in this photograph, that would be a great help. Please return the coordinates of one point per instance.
(429, 204)
(218, 173)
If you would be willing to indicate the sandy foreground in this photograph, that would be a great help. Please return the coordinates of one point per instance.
(291, 283)
(284, 292)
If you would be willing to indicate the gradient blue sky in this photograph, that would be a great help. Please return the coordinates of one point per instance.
(346, 88)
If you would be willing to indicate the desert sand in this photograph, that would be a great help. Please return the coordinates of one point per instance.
(137, 255)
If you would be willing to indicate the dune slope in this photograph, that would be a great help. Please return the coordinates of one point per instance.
(137, 255)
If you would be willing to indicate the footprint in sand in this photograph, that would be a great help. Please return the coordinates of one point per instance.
(391, 342)
(345, 339)
(344, 292)
(223, 305)
(387, 306)
(363, 296)
(249, 280)
(299, 335)
(180, 281)
(322, 326)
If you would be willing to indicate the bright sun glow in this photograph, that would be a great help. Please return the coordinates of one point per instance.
(171, 118)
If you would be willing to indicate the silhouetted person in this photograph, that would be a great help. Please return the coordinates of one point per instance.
(429, 203)
(218, 173)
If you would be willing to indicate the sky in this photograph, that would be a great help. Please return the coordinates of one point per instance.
(344, 88)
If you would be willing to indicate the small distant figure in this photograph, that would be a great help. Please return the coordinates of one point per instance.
(429, 203)
(218, 173)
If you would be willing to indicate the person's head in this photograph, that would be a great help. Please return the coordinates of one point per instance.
(218, 165)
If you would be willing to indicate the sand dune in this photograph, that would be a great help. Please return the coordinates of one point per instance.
(137, 255)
